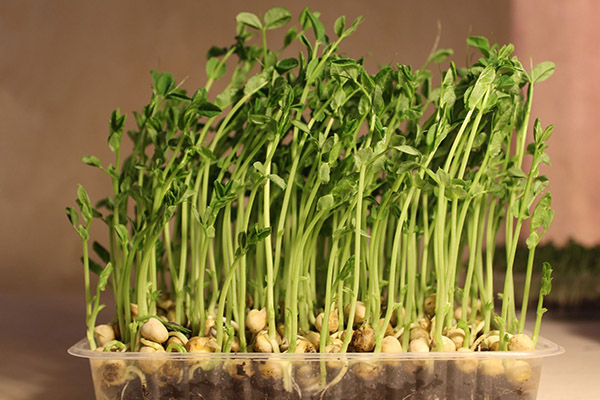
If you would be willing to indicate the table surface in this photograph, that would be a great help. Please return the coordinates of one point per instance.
(35, 332)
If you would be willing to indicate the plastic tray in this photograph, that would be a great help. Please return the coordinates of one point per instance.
(452, 376)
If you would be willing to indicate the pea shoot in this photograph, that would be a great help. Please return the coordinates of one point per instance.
(314, 206)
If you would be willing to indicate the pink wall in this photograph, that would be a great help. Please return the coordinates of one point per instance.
(567, 33)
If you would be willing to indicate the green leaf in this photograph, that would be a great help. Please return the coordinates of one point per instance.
(122, 234)
(546, 280)
(248, 19)
(325, 202)
(408, 150)
(103, 278)
(73, 216)
(216, 51)
(117, 124)
(91, 160)
(165, 83)
(324, 171)
(290, 36)
(339, 25)
(84, 234)
(254, 84)
(440, 56)
(542, 71)
(277, 17)
(318, 27)
(443, 177)
(117, 121)
(353, 27)
(363, 156)
(516, 173)
(259, 167)
(532, 240)
(301, 125)
(85, 204)
(214, 68)
(286, 64)
(480, 43)
(276, 179)
(345, 271)
(208, 109)
(481, 86)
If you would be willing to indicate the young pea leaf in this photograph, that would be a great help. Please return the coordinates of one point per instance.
(408, 150)
(542, 71)
(546, 280)
(254, 83)
(214, 68)
(340, 25)
(117, 124)
(318, 27)
(324, 171)
(480, 43)
(301, 125)
(286, 64)
(532, 240)
(85, 204)
(345, 271)
(304, 40)
(353, 27)
(164, 83)
(91, 160)
(440, 56)
(84, 234)
(290, 36)
(481, 86)
(276, 179)
(363, 156)
(216, 51)
(117, 121)
(325, 202)
(277, 17)
(516, 173)
(73, 216)
(122, 234)
(104, 275)
(442, 177)
(248, 19)
(208, 109)
(542, 214)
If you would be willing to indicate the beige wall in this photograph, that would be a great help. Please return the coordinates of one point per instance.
(65, 65)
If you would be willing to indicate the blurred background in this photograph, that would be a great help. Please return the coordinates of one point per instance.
(65, 65)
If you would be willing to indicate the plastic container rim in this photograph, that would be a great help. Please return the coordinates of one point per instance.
(544, 348)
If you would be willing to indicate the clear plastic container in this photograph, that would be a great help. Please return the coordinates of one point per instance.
(414, 376)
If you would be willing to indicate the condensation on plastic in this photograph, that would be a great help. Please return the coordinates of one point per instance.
(431, 376)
